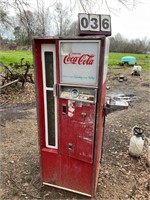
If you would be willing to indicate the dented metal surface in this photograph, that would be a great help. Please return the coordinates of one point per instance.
(77, 131)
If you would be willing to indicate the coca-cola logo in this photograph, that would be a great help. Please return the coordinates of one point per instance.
(84, 59)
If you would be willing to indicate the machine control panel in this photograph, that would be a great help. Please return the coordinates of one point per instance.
(78, 93)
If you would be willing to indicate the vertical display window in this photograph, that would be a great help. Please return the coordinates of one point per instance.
(50, 118)
(49, 72)
(50, 104)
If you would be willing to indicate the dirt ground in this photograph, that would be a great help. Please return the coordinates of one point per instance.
(121, 176)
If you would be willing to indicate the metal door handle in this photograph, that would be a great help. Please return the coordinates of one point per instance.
(83, 115)
(55, 90)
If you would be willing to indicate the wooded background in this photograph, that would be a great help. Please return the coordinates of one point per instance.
(21, 20)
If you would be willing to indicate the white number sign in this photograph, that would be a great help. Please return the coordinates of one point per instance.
(105, 23)
(100, 24)
(84, 22)
(94, 23)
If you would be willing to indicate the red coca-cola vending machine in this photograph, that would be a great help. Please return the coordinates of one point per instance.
(70, 87)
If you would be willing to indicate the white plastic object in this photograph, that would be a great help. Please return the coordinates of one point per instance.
(137, 68)
(136, 146)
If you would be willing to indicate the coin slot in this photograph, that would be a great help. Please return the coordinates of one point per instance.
(74, 92)
(64, 109)
(70, 146)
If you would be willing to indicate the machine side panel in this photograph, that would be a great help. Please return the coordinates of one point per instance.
(39, 91)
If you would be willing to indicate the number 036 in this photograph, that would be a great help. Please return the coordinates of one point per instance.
(96, 23)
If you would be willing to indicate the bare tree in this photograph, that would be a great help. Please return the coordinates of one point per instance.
(37, 17)
(120, 44)
(96, 6)
(62, 19)
(24, 29)
(42, 18)
(5, 20)
(8, 9)
(73, 29)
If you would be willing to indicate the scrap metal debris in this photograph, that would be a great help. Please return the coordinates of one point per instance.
(122, 97)
(125, 97)
(122, 78)
(10, 75)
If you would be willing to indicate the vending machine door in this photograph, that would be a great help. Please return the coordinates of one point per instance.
(77, 122)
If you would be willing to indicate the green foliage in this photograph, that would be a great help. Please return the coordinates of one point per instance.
(142, 59)
(8, 57)
(15, 191)
(28, 178)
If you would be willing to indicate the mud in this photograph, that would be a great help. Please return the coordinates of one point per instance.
(15, 112)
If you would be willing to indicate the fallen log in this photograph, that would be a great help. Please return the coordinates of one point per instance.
(10, 83)
(12, 77)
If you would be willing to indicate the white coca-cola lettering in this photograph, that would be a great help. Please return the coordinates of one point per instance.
(84, 59)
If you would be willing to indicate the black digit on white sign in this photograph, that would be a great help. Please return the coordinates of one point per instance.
(94, 23)
(84, 22)
(105, 23)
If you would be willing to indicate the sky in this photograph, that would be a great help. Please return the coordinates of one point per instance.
(133, 24)
(130, 23)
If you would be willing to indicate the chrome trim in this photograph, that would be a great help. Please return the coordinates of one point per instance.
(80, 100)
(67, 189)
(54, 90)
(75, 85)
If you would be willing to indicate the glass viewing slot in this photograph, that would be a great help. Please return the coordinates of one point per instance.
(49, 73)
(50, 118)
(50, 108)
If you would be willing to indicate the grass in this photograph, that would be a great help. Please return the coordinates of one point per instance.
(142, 59)
(28, 178)
(8, 57)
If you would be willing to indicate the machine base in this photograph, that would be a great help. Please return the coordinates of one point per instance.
(67, 189)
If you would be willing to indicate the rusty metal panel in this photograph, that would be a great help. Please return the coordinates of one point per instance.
(76, 175)
(77, 131)
(50, 166)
